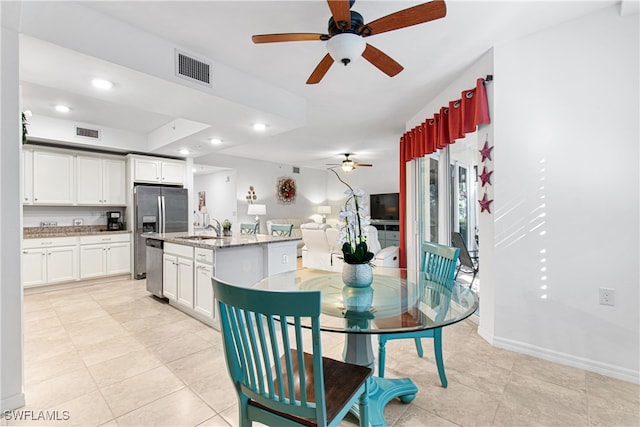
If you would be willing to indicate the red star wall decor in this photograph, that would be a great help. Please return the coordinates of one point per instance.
(485, 176)
(486, 151)
(484, 204)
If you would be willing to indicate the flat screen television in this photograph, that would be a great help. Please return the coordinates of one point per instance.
(385, 206)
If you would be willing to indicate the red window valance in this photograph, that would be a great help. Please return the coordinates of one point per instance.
(452, 122)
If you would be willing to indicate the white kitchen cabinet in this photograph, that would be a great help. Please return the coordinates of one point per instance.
(185, 282)
(92, 261)
(114, 187)
(172, 172)
(100, 181)
(50, 260)
(146, 170)
(203, 303)
(170, 277)
(62, 264)
(27, 176)
(119, 258)
(178, 274)
(53, 178)
(34, 267)
(158, 171)
(104, 255)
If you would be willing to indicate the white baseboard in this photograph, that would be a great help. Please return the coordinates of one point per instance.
(12, 402)
(564, 359)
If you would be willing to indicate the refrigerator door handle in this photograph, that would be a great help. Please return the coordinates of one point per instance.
(160, 217)
(164, 217)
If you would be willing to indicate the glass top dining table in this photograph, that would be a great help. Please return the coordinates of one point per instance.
(398, 300)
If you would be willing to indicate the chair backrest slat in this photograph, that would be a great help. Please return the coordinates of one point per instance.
(301, 363)
(252, 320)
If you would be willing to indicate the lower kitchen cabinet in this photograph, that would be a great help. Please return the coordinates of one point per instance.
(67, 259)
(177, 264)
(104, 255)
(170, 277)
(204, 303)
(50, 261)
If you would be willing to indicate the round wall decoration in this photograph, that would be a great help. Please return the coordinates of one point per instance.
(286, 190)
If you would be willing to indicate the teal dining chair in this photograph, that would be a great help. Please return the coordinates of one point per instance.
(277, 382)
(439, 262)
(248, 228)
(282, 230)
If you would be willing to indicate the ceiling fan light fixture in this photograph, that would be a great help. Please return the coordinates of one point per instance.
(346, 47)
(348, 165)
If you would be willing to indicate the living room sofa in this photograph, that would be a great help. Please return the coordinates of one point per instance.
(296, 228)
(323, 250)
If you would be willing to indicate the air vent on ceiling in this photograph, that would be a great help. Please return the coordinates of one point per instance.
(87, 133)
(190, 68)
(296, 169)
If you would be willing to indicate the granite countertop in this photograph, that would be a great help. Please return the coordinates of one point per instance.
(212, 241)
(82, 230)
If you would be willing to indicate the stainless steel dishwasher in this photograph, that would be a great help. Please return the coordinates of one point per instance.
(154, 267)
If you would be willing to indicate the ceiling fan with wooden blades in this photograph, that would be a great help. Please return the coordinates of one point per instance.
(348, 164)
(347, 32)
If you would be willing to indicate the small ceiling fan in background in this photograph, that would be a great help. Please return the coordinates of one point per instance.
(348, 164)
(347, 32)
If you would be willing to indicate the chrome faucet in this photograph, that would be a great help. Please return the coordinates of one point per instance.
(217, 228)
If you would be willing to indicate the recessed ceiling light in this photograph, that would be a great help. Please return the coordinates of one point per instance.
(215, 141)
(62, 109)
(259, 127)
(102, 84)
(184, 151)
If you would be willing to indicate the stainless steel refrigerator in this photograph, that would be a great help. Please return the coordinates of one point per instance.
(160, 210)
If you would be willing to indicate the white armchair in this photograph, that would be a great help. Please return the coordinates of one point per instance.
(316, 252)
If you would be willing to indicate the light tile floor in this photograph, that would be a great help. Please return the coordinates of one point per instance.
(111, 355)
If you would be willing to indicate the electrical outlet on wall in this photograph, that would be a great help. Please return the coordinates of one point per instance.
(607, 296)
(78, 221)
(48, 223)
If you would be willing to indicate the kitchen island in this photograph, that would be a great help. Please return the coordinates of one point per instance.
(190, 260)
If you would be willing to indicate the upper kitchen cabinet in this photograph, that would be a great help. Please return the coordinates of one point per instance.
(53, 178)
(101, 181)
(155, 170)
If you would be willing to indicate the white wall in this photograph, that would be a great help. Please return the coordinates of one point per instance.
(58, 130)
(11, 359)
(566, 147)
(64, 215)
(220, 197)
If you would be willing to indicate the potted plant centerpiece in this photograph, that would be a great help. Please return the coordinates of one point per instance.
(357, 270)
(226, 227)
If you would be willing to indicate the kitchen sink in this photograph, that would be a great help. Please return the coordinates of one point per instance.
(197, 238)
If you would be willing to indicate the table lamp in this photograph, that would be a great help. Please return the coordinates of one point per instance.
(324, 210)
(257, 210)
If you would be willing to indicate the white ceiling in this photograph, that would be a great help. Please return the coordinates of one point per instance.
(353, 109)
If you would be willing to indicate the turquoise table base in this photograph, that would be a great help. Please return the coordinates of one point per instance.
(381, 391)
(357, 349)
